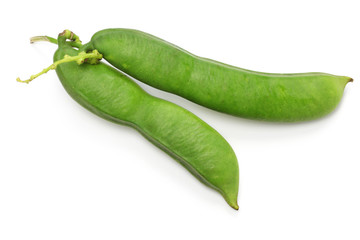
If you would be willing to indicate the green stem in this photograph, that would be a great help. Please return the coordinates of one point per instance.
(72, 43)
(80, 58)
(43, 38)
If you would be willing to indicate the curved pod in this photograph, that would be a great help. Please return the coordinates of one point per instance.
(225, 88)
(115, 97)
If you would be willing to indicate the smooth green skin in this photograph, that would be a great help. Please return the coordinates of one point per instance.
(225, 88)
(111, 95)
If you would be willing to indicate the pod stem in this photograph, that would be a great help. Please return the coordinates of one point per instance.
(92, 58)
(74, 39)
(43, 38)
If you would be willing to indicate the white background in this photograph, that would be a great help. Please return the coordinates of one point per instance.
(67, 174)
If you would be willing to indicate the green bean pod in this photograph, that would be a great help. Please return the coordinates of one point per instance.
(225, 88)
(113, 96)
